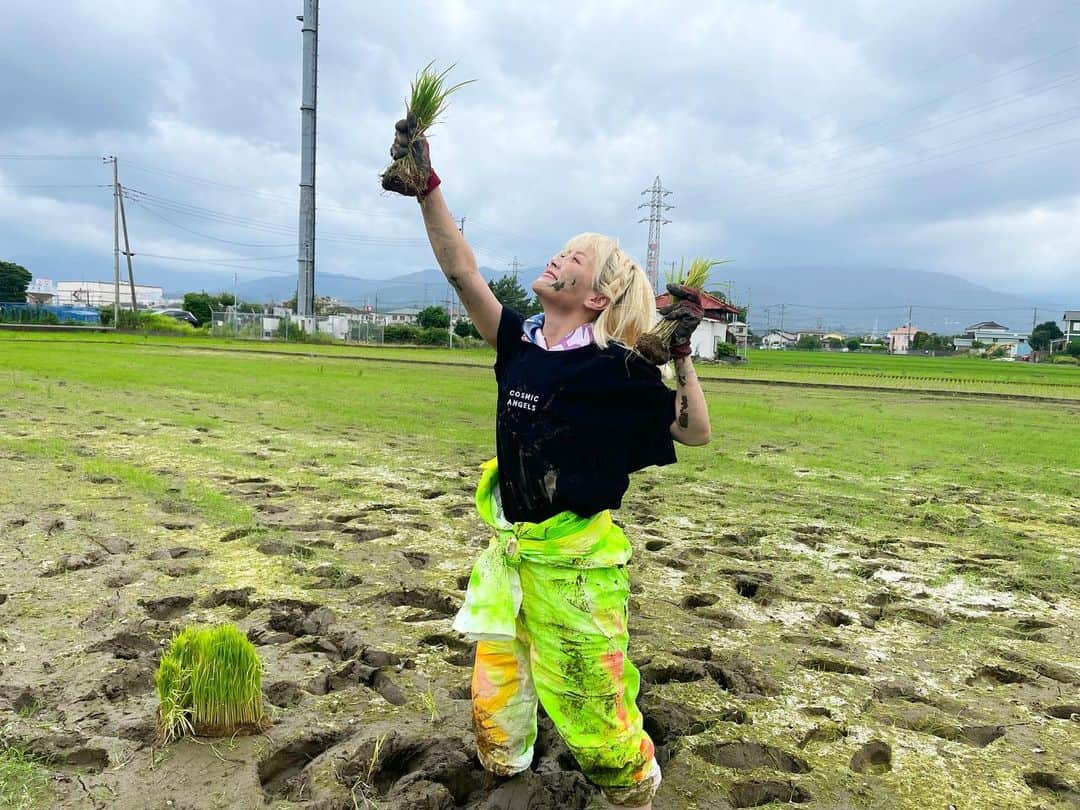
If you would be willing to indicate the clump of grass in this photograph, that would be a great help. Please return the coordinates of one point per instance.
(429, 96)
(23, 779)
(653, 345)
(209, 683)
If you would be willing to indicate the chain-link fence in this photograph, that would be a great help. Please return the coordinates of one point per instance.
(229, 323)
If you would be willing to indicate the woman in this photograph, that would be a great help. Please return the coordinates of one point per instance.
(578, 411)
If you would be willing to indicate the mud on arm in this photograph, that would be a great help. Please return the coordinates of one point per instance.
(458, 263)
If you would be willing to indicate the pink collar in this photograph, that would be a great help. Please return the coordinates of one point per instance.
(532, 332)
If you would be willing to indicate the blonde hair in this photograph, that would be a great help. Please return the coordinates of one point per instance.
(617, 276)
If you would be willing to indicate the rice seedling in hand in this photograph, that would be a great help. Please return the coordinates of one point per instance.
(209, 683)
(411, 172)
(681, 316)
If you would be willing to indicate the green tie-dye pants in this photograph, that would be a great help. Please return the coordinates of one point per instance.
(547, 603)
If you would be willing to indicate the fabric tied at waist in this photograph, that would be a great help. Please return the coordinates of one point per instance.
(565, 540)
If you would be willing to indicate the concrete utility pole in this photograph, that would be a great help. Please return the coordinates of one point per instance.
(116, 241)
(305, 282)
(127, 250)
(656, 205)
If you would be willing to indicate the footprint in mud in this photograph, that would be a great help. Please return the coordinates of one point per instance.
(232, 597)
(364, 534)
(873, 757)
(115, 545)
(281, 773)
(666, 721)
(417, 559)
(67, 563)
(283, 694)
(757, 793)
(122, 579)
(819, 664)
(835, 618)
(406, 772)
(130, 678)
(1066, 711)
(672, 672)
(698, 600)
(998, 674)
(167, 607)
(299, 618)
(1054, 783)
(747, 756)
(433, 604)
(126, 645)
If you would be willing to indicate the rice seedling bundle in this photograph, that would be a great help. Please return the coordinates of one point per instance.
(209, 683)
(654, 344)
(428, 99)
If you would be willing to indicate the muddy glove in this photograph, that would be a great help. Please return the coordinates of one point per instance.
(424, 181)
(685, 310)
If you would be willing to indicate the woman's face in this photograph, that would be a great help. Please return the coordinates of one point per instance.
(567, 280)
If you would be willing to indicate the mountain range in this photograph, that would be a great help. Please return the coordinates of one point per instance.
(845, 299)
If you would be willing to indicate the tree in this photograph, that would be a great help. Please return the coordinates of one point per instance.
(14, 279)
(466, 328)
(513, 296)
(199, 304)
(433, 318)
(808, 342)
(1042, 334)
(852, 344)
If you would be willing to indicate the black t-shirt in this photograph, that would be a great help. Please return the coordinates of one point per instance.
(572, 425)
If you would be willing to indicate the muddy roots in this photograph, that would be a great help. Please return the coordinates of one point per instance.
(653, 348)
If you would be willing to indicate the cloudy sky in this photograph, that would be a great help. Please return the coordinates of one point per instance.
(937, 135)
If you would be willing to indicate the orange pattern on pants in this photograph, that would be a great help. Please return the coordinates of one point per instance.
(570, 653)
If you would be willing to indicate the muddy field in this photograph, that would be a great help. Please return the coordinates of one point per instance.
(823, 634)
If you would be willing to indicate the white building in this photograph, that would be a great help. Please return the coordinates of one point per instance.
(103, 293)
(41, 291)
(990, 333)
(779, 340)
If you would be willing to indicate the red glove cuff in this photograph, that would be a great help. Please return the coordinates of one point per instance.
(433, 183)
(680, 351)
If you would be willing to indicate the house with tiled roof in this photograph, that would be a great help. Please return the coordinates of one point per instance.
(715, 325)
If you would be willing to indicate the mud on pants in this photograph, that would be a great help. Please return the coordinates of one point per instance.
(547, 604)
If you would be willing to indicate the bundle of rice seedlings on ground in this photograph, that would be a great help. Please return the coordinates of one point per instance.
(210, 685)
(428, 99)
(653, 345)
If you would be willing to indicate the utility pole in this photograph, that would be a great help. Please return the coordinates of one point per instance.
(515, 267)
(461, 226)
(781, 317)
(305, 283)
(116, 241)
(656, 205)
(127, 248)
(910, 337)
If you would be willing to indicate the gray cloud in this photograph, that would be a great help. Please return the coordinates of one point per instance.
(936, 135)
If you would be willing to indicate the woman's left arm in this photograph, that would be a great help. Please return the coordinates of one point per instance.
(691, 425)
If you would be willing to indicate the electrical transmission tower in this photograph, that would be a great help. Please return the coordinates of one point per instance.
(305, 282)
(657, 206)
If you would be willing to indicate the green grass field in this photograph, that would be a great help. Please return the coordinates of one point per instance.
(835, 567)
(902, 372)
